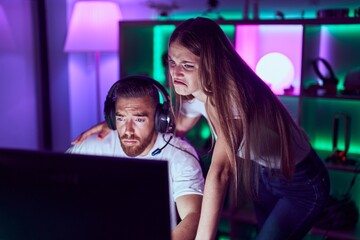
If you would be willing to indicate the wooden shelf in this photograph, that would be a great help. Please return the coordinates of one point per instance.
(352, 234)
(343, 167)
(247, 215)
(304, 21)
(353, 164)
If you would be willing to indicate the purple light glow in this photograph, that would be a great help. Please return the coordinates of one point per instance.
(7, 41)
(93, 27)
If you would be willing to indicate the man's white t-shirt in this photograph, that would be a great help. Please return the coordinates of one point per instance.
(185, 173)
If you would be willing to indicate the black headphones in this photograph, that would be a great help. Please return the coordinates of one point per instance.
(327, 78)
(163, 120)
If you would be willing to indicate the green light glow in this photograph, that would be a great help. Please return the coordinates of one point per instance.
(227, 16)
(161, 36)
(224, 238)
(238, 15)
(205, 132)
(317, 120)
(343, 29)
(229, 30)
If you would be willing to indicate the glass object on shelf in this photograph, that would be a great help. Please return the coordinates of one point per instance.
(277, 71)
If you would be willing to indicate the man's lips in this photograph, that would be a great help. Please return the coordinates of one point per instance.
(129, 141)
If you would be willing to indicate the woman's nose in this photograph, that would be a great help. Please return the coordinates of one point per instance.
(177, 71)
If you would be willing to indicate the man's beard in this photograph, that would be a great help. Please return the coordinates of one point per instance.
(133, 151)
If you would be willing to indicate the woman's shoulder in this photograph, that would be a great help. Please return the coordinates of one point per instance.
(193, 107)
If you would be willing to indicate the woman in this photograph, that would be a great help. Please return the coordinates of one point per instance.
(257, 142)
(258, 147)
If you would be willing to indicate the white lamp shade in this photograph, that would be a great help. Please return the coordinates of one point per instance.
(94, 27)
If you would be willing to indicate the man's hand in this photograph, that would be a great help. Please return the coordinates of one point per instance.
(101, 128)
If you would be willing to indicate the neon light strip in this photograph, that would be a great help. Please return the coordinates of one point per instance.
(161, 37)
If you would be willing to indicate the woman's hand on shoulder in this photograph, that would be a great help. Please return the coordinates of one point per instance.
(101, 128)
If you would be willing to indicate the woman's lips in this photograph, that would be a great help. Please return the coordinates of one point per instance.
(177, 82)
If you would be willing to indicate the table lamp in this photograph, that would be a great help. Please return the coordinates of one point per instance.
(94, 28)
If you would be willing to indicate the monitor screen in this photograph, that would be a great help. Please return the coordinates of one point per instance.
(46, 195)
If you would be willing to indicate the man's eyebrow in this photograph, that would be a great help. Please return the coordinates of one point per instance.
(139, 114)
(142, 114)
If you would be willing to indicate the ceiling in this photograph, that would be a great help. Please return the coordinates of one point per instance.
(231, 9)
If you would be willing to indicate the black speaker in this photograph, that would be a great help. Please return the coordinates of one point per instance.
(163, 119)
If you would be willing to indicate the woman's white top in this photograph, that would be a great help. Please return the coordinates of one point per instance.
(195, 108)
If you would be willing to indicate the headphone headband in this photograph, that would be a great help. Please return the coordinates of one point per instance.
(163, 120)
(160, 87)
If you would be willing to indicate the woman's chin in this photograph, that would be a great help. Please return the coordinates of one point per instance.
(181, 91)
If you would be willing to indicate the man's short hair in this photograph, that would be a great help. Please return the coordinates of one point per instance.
(135, 88)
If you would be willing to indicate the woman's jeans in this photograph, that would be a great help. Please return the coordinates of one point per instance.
(287, 209)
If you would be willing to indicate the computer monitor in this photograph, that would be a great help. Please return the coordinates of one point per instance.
(46, 195)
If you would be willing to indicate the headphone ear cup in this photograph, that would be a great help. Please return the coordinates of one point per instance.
(109, 113)
(329, 76)
(162, 119)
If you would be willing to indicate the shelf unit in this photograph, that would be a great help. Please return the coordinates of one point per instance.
(143, 44)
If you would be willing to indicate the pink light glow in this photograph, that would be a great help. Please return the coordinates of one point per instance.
(255, 41)
(93, 27)
(247, 43)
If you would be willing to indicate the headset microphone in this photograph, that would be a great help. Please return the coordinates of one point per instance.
(158, 150)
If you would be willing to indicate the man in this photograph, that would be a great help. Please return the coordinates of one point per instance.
(139, 123)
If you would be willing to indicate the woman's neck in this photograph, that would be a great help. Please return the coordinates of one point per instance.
(201, 96)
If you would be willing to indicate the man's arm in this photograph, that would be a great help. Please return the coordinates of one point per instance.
(188, 207)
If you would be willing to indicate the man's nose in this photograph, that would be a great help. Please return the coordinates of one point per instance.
(129, 127)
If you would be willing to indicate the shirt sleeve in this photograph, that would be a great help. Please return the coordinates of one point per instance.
(186, 172)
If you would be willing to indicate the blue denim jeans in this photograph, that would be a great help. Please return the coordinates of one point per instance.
(287, 209)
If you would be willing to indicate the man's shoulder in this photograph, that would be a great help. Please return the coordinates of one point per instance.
(179, 148)
(94, 145)
(178, 141)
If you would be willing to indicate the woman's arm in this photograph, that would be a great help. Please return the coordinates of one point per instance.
(216, 186)
(101, 128)
(184, 124)
(188, 207)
